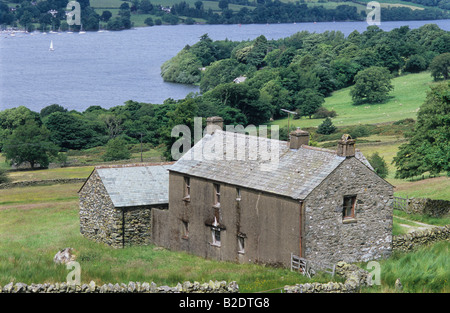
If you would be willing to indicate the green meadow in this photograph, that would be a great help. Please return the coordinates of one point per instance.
(405, 99)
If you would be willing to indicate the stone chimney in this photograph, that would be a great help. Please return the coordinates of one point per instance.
(346, 146)
(213, 123)
(297, 138)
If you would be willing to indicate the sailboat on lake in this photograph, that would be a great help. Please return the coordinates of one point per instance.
(51, 46)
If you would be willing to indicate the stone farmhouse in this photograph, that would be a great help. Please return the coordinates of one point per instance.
(319, 204)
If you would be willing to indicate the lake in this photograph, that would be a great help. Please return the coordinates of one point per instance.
(109, 68)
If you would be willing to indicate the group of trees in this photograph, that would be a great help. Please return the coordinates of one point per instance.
(275, 11)
(297, 72)
(29, 13)
(47, 14)
(38, 138)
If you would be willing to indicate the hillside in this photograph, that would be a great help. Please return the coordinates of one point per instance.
(406, 98)
(243, 8)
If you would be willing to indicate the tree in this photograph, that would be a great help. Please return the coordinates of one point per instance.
(258, 52)
(198, 5)
(68, 130)
(428, 149)
(440, 66)
(379, 165)
(415, 63)
(326, 127)
(308, 101)
(3, 176)
(223, 4)
(145, 6)
(30, 143)
(12, 118)
(106, 15)
(372, 85)
(184, 113)
(51, 109)
(149, 21)
(116, 149)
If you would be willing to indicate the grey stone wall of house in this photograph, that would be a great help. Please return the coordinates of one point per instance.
(329, 237)
(138, 224)
(99, 220)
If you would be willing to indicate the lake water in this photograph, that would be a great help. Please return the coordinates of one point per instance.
(109, 68)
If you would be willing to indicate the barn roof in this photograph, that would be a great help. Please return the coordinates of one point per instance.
(294, 173)
(136, 185)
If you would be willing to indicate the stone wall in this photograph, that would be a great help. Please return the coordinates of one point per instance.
(42, 182)
(418, 238)
(355, 279)
(137, 221)
(368, 236)
(99, 220)
(131, 287)
(425, 206)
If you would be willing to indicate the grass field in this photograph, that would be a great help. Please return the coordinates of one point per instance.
(407, 96)
(30, 238)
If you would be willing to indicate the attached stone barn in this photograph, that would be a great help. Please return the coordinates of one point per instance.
(319, 204)
(117, 203)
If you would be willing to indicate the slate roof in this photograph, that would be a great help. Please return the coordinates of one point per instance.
(136, 185)
(297, 173)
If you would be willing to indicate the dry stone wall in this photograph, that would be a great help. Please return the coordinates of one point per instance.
(131, 287)
(355, 279)
(418, 238)
(425, 206)
(137, 223)
(42, 182)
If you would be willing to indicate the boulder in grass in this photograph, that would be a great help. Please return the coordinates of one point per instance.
(64, 256)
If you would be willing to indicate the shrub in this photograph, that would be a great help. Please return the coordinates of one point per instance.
(116, 149)
(323, 112)
(379, 165)
(326, 127)
(3, 176)
(359, 131)
(149, 21)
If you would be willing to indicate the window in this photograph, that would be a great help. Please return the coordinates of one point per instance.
(238, 194)
(349, 207)
(215, 232)
(217, 195)
(241, 244)
(187, 189)
(185, 230)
